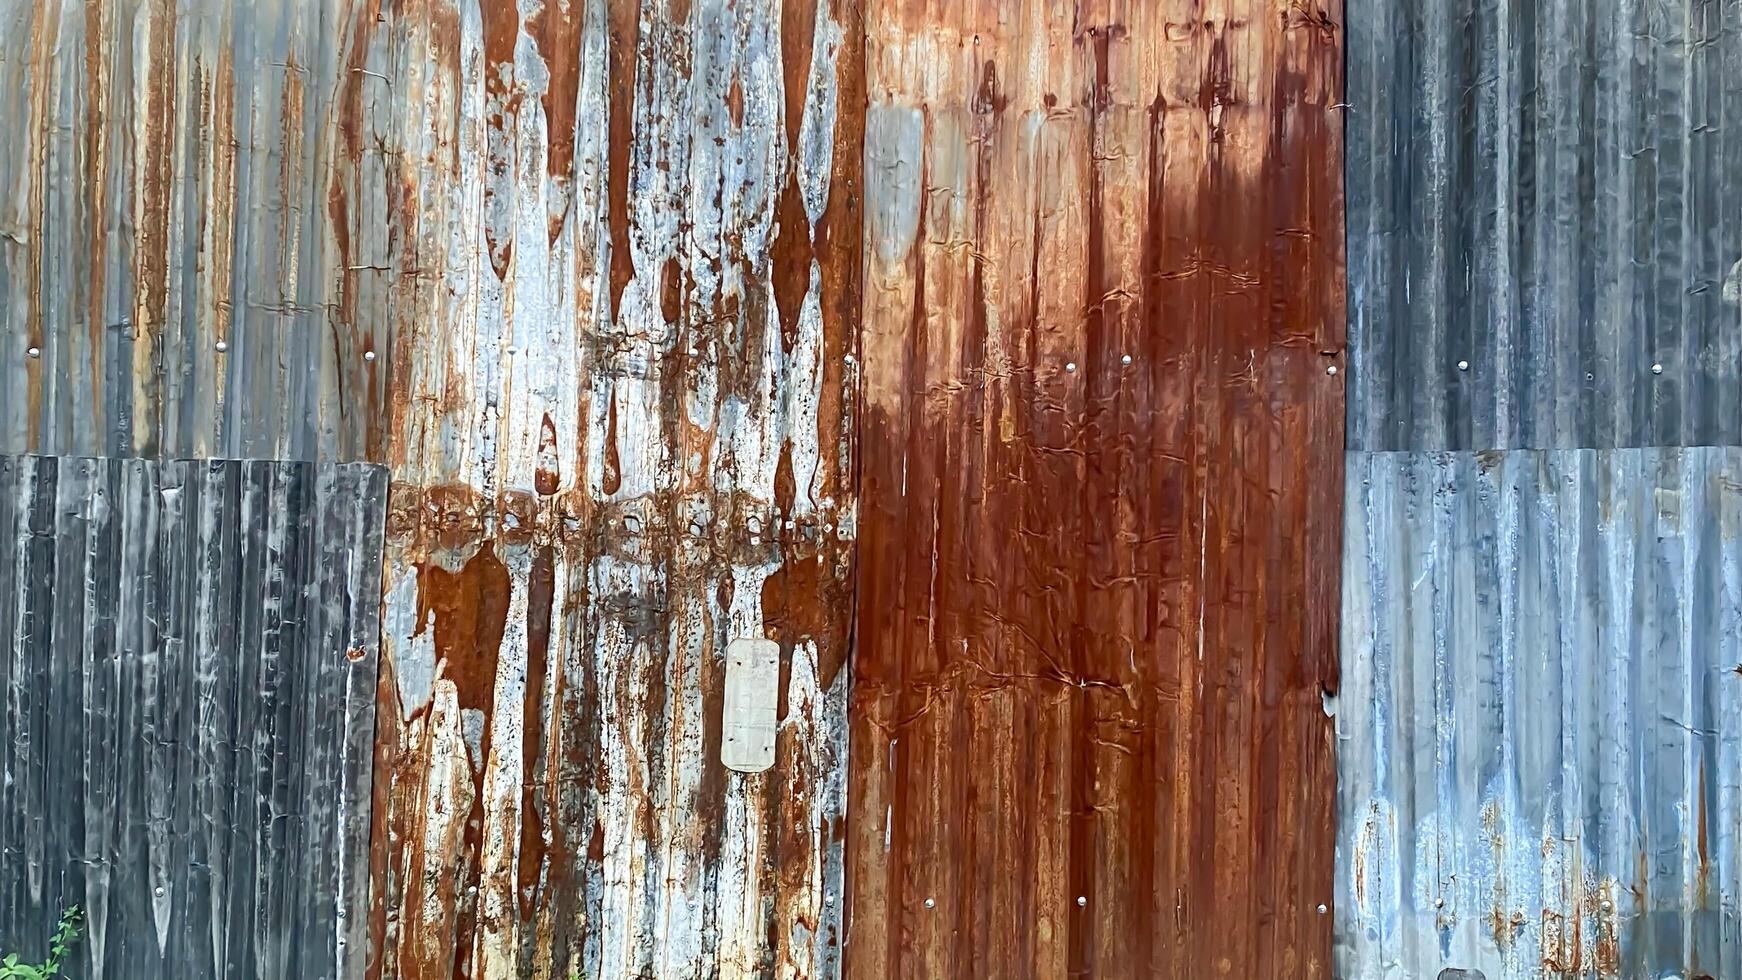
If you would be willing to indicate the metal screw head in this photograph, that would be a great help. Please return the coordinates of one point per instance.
(34, 352)
(221, 346)
(848, 358)
(159, 891)
(1082, 900)
(1322, 908)
(1331, 370)
(1657, 369)
(1439, 903)
(931, 903)
(368, 355)
(1071, 366)
(1463, 365)
(1607, 905)
(1125, 360)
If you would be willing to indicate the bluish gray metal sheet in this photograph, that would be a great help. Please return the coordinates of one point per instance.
(187, 652)
(1540, 719)
(1545, 192)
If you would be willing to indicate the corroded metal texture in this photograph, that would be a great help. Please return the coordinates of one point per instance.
(178, 202)
(1540, 736)
(1101, 461)
(623, 247)
(187, 653)
(1545, 242)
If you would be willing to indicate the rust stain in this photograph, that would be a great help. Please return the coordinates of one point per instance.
(671, 290)
(625, 27)
(1099, 535)
(735, 102)
(548, 476)
(557, 27)
(540, 602)
(467, 611)
(791, 259)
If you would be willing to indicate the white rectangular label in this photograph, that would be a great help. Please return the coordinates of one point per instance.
(749, 720)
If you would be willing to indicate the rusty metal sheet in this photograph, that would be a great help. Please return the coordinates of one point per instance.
(623, 247)
(1539, 733)
(177, 204)
(1101, 461)
(187, 658)
(1545, 243)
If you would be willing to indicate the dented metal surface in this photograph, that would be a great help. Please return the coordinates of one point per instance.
(621, 243)
(1101, 457)
(187, 657)
(1545, 239)
(1539, 726)
(177, 200)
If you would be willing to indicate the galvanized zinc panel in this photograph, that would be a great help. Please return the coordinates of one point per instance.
(187, 652)
(1101, 455)
(1540, 723)
(1545, 239)
(179, 270)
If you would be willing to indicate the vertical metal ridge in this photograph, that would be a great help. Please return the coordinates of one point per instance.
(1539, 726)
(187, 654)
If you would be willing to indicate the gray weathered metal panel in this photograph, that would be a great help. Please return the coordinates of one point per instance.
(174, 232)
(1540, 732)
(187, 652)
(1544, 192)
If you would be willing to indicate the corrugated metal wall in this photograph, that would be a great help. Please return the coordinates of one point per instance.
(1540, 212)
(1101, 457)
(177, 207)
(622, 243)
(587, 276)
(1542, 738)
(1538, 721)
(187, 653)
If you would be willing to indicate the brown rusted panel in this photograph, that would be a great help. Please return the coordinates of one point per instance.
(623, 251)
(1100, 491)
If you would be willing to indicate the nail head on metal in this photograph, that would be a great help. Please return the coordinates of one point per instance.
(1125, 360)
(848, 358)
(221, 346)
(368, 355)
(1070, 365)
(1331, 370)
(1657, 369)
(34, 352)
(1322, 908)
(931, 903)
(1463, 365)
(1082, 900)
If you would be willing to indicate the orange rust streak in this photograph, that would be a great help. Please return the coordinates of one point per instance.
(625, 38)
